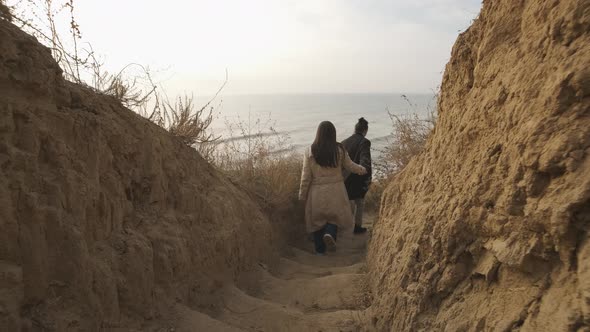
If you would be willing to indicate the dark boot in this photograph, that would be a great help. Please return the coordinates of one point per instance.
(318, 237)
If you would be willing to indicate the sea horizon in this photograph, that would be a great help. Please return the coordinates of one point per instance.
(297, 115)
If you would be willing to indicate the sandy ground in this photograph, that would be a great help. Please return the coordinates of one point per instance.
(305, 292)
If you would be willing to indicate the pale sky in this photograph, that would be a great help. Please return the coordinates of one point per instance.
(281, 46)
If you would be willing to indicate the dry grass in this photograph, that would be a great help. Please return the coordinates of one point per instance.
(133, 85)
(261, 160)
(274, 180)
(408, 137)
(182, 120)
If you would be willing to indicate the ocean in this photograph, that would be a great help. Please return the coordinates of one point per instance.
(297, 116)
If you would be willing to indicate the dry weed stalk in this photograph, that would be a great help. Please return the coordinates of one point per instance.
(80, 65)
(408, 138)
(133, 85)
(410, 135)
(133, 91)
(260, 159)
(41, 18)
(182, 120)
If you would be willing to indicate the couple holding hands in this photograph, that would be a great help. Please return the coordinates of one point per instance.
(335, 178)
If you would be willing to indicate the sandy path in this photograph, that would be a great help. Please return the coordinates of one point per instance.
(304, 292)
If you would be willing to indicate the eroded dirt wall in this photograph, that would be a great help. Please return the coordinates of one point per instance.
(105, 218)
(487, 230)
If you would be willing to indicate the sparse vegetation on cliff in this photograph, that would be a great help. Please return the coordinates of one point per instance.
(54, 23)
(409, 134)
(261, 159)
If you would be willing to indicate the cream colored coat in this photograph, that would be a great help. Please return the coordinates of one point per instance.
(323, 190)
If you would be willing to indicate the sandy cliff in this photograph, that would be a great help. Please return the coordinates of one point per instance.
(487, 230)
(105, 218)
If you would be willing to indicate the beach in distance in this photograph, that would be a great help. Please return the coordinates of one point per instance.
(298, 115)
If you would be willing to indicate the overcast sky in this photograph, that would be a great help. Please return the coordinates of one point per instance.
(281, 46)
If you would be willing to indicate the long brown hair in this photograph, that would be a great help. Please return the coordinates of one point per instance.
(325, 149)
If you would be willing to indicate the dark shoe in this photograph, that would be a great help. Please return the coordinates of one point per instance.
(359, 229)
(330, 242)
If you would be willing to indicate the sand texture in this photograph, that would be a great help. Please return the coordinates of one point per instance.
(487, 230)
(105, 218)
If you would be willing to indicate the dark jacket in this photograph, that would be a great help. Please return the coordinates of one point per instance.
(359, 150)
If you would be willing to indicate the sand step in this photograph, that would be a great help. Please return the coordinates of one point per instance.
(304, 292)
(290, 269)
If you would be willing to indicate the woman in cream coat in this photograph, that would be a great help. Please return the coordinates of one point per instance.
(327, 208)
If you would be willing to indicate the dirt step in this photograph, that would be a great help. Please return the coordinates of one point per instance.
(336, 259)
(189, 320)
(254, 314)
(339, 291)
(304, 292)
(290, 269)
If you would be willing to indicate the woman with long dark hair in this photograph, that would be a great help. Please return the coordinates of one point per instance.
(327, 208)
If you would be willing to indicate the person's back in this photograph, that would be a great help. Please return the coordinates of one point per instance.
(320, 171)
(322, 188)
(357, 186)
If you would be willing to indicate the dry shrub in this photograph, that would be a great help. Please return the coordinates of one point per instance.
(186, 123)
(275, 179)
(260, 159)
(408, 137)
(133, 85)
(182, 120)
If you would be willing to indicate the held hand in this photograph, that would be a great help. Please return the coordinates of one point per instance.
(363, 171)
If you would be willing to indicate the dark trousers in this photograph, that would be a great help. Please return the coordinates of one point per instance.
(318, 237)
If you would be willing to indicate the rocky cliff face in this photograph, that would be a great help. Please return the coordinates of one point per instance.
(105, 218)
(487, 230)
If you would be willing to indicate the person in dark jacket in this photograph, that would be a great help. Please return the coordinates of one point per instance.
(357, 186)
